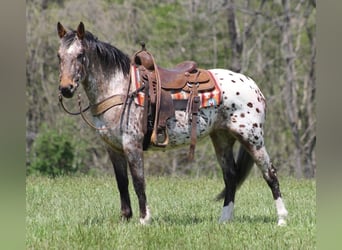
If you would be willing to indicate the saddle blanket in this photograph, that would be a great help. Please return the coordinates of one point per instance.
(208, 98)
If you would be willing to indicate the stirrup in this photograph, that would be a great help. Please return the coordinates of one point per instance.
(161, 138)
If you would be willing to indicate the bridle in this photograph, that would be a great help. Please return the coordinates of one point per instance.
(103, 106)
(81, 111)
(60, 98)
(96, 109)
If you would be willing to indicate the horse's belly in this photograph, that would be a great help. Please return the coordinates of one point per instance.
(179, 127)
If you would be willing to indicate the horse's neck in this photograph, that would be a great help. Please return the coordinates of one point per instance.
(101, 86)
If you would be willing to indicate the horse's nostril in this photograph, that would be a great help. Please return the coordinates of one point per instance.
(67, 91)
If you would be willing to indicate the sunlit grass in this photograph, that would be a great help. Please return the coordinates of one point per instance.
(84, 213)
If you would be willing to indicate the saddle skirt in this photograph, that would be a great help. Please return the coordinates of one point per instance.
(207, 98)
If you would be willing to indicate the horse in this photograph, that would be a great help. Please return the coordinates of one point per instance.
(104, 71)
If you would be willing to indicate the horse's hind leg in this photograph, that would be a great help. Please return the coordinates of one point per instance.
(223, 143)
(258, 151)
(120, 168)
(263, 162)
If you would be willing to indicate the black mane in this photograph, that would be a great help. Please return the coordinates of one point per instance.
(109, 56)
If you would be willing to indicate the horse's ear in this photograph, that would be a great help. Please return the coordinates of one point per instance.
(61, 31)
(80, 31)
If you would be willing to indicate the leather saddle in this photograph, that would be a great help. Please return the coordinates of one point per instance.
(158, 84)
(177, 77)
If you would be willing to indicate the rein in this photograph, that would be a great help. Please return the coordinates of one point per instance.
(84, 117)
(96, 109)
(102, 106)
(60, 98)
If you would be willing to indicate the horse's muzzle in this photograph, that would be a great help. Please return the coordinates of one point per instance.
(68, 91)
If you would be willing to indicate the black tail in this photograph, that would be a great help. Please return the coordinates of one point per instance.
(244, 164)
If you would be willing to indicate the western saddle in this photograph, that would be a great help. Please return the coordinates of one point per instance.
(158, 84)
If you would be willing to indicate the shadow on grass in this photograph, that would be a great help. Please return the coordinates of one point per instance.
(101, 220)
(95, 221)
(186, 220)
(165, 219)
(179, 220)
(255, 219)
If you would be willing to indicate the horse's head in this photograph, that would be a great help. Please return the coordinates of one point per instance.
(72, 59)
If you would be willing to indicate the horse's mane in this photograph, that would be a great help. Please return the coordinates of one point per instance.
(110, 57)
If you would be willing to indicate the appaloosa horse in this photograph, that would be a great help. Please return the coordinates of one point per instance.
(104, 72)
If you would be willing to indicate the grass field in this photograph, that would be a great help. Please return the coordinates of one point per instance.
(84, 213)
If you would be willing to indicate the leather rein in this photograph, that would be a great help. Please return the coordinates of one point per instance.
(101, 107)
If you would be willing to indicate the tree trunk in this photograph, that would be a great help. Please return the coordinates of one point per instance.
(236, 44)
(310, 90)
(290, 93)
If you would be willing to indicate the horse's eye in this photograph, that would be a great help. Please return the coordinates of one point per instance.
(80, 56)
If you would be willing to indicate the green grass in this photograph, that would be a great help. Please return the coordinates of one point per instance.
(84, 213)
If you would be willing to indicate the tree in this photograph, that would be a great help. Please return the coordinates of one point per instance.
(299, 105)
(273, 42)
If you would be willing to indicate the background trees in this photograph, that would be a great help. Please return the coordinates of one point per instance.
(273, 42)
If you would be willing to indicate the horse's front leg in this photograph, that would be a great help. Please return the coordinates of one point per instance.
(120, 168)
(135, 157)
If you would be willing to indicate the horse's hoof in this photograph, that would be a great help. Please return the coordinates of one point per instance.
(147, 219)
(227, 213)
(281, 222)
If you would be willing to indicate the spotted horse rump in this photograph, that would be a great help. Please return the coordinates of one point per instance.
(237, 114)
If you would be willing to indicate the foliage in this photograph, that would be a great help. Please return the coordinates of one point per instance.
(84, 213)
(188, 30)
(55, 154)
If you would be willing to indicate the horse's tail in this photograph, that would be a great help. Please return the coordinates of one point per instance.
(244, 164)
